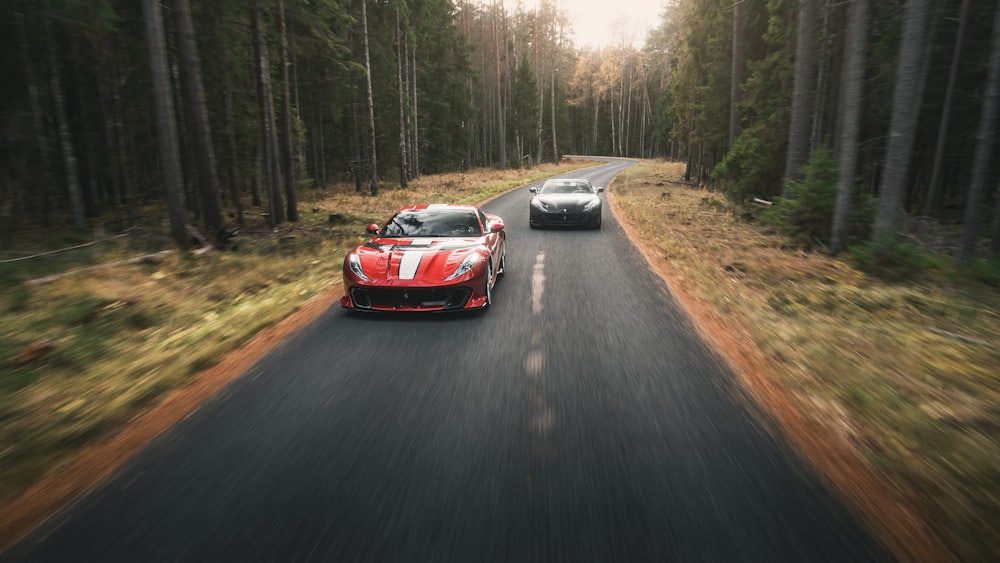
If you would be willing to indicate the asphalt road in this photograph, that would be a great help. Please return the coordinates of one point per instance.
(579, 419)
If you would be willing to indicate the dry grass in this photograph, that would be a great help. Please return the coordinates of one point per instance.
(907, 374)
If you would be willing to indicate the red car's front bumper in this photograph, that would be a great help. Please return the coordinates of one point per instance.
(397, 297)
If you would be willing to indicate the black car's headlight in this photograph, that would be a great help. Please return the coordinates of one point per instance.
(592, 205)
(355, 264)
(539, 204)
(463, 268)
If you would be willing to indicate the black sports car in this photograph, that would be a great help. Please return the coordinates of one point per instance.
(566, 203)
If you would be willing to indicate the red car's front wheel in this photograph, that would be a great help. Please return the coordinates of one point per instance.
(489, 286)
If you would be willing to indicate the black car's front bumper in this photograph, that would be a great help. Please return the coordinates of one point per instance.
(539, 218)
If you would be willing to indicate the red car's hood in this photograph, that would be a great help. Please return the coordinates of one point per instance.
(424, 260)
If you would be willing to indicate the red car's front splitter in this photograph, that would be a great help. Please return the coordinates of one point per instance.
(437, 299)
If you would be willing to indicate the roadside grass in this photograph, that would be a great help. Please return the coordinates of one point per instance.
(82, 354)
(907, 372)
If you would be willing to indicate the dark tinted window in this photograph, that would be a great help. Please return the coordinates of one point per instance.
(433, 223)
(566, 187)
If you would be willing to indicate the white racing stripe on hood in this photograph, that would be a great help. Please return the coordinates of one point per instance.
(408, 264)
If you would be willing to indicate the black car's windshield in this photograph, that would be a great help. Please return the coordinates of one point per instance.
(566, 187)
(433, 223)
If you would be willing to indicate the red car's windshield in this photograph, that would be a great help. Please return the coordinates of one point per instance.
(433, 223)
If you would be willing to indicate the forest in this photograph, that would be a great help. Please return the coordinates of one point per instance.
(858, 123)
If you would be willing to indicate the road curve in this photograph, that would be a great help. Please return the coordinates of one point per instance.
(579, 419)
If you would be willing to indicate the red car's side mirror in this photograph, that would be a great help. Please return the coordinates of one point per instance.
(496, 226)
(372, 229)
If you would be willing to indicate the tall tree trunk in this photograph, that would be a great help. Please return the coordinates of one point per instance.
(65, 140)
(128, 168)
(108, 128)
(415, 145)
(287, 141)
(596, 129)
(850, 113)
(802, 91)
(819, 100)
(194, 103)
(90, 180)
(934, 188)
(373, 167)
(541, 85)
(501, 129)
(231, 149)
(905, 110)
(166, 124)
(402, 104)
(981, 164)
(269, 143)
(736, 79)
(47, 180)
(552, 111)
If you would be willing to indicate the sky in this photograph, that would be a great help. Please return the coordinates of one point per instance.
(602, 23)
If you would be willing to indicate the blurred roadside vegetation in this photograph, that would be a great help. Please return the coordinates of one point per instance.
(893, 348)
(91, 336)
(896, 354)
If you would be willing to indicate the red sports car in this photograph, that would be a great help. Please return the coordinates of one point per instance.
(427, 258)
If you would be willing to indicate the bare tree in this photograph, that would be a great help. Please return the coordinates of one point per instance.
(850, 115)
(166, 125)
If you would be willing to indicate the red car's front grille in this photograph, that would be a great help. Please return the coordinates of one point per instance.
(409, 298)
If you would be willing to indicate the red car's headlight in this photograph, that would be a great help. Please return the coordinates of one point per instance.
(462, 268)
(355, 264)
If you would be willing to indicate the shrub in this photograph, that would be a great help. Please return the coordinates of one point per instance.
(892, 259)
(986, 271)
(752, 167)
(807, 214)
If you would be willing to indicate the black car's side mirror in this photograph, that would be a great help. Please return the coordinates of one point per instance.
(600, 189)
(533, 190)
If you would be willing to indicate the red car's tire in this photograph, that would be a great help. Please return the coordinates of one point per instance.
(489, 287)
